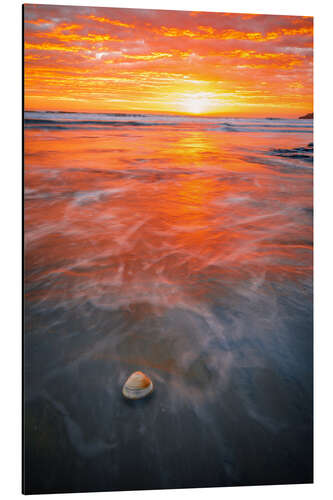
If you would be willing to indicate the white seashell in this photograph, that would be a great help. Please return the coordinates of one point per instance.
(137, 386)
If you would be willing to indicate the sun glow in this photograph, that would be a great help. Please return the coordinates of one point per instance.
(198, 103)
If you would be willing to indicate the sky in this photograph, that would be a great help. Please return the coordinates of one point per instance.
(90, 59)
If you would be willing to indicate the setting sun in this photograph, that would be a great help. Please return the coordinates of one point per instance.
(198, 103)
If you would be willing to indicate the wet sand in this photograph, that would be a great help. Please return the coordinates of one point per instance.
(184, 252)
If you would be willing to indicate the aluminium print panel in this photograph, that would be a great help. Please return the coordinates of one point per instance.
(168, 249)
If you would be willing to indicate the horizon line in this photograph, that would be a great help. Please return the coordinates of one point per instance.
(190, 115)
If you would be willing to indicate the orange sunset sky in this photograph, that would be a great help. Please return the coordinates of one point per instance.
(135, 60)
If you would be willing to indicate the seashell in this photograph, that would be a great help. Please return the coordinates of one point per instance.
(137, 386)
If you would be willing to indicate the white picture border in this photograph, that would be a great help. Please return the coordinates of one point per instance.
(11, 253)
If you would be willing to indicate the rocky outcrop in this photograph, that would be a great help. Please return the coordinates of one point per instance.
(309, 116)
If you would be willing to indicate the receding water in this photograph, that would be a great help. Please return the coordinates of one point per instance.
(181, 247)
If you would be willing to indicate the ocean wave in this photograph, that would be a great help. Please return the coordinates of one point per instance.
(37, 123)
(300, 153)
(64, 120)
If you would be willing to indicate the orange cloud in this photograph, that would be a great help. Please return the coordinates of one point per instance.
(147, 57)
(114, 22)
(37, 22)
(208, 32)
(52, 46)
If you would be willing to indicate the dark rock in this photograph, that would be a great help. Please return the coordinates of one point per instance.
(308, 116)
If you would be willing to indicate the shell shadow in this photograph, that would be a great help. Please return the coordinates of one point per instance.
(137, 403)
